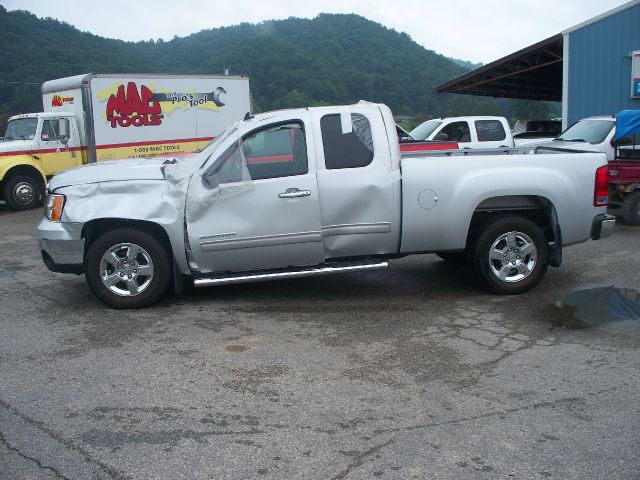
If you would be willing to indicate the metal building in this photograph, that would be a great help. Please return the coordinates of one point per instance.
(592, 68)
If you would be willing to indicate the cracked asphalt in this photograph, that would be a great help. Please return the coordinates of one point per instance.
(408, 373)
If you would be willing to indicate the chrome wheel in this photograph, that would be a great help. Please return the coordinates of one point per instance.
(126, 269)
(513, 256)
(24, 193)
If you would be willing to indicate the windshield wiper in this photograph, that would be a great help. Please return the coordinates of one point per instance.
(574, 140)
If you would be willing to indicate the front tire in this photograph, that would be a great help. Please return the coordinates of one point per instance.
(127, 268)
(22, 192)
(510, 256)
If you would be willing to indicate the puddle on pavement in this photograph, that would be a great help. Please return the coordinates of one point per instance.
(596, 307)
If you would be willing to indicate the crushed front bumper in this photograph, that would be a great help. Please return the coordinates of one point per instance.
(61, 246)
(602, 226)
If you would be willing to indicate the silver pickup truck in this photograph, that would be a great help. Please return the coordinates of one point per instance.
(315, 191)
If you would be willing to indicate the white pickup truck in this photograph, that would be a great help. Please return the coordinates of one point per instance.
(315, 191)
(472, 132)
(593, 134)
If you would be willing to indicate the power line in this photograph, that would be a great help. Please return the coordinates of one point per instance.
(21, 83)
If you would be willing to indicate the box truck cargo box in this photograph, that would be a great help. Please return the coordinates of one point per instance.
(95, 117)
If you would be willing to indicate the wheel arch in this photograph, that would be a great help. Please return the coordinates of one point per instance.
(538, 209)
(94, 228)
(26, 169)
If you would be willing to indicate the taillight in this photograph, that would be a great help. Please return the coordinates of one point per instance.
(601, 188)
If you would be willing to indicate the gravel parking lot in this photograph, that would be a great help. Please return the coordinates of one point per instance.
(410, 373)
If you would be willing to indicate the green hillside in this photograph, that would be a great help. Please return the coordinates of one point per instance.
(294, 62)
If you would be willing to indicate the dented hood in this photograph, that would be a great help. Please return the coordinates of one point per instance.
(112, 171)
(573, 146)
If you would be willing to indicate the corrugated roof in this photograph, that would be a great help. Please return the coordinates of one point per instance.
(533, 73)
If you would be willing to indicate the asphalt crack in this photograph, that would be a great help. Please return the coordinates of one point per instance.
(506, 411)
(360, 458)
(65, 442)
(40, 465)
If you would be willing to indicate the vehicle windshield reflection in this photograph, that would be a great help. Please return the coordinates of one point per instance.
(589, 131)
(422, 131)
(21, 129)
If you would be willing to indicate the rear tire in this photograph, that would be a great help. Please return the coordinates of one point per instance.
(510, 256)
(127, 268)
(23, 192)
(631, 208)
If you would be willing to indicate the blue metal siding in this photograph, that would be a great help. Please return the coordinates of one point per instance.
(599, 66)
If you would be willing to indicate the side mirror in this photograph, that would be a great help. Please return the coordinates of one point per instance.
(441, 137)
(63, 134)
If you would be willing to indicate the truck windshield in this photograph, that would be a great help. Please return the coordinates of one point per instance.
(588, 131)
(21, 129)
(422, 131)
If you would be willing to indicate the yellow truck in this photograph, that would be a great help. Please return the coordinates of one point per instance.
(97, 117)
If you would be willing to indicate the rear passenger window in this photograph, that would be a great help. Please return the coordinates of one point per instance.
(490, 131)
(346, 146)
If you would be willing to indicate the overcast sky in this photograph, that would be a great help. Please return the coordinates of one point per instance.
(478, 31)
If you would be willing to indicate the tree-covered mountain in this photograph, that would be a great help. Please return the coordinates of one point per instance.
(465, 64)
(294, 62)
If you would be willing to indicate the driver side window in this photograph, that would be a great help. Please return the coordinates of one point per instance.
(51, 129)
(458, 132)
(275, 151)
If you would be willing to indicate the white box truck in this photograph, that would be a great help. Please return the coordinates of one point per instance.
(94, 117)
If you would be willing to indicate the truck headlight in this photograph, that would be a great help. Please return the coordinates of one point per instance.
(53, 207)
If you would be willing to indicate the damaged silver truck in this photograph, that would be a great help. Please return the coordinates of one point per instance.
(316, 191)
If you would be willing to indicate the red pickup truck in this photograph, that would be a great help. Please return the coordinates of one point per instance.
(624, 169)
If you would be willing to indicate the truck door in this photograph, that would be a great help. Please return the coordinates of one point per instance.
(491, 134)
(256, 206)
(359, 197)
(58, 142)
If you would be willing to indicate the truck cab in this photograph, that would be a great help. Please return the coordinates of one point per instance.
(469, 132)
(34, 147)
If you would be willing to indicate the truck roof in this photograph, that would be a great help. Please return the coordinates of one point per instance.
(472, 117)
(42, 115)
(259, 117)
(77, 81)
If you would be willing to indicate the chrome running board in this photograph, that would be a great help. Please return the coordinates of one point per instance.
(245, 277)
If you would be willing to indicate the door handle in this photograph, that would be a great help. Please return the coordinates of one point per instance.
(294, 193)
